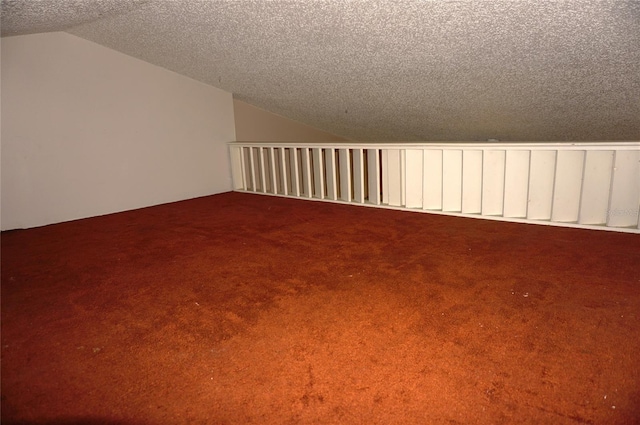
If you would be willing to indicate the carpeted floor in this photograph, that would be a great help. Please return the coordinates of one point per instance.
(247, 309)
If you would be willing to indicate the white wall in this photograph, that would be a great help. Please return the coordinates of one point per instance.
(88, 131)
(257, 125)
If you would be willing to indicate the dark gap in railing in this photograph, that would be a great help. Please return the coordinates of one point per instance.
(381, 194)
(281, 170)
(266, 153)
(289, 155)
(323, 153)
(275, 171)
(322, 167)
(365, 164)
(310, 176)
(263, 170)
(300, 179)
(351, 175)
(338, 172)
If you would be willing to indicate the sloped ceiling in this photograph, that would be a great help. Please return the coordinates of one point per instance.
(387, 70)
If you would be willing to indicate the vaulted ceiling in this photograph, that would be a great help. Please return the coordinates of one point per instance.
(406, 70)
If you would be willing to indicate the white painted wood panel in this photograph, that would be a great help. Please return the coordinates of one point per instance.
(264, 184)
(246, 173)
(516, 183)
(542, 175)
(295, 172)
(384, 169)
(432, 184)
(330, 169)
(345, 174)
(625, 190)
(403, 177)
(567, 187)
(452, 180)
(318, 173)
(493, 175)
(413, 178)
(595, 188)
(277, 171)
(252, 170)
(307, 177)
(284, 171)
(358, 175)
(472, 181)
(273, 171)
(257, 162)
(287, 171)
(265, 169)
(236, 168)
(394, 177)
(373, 168)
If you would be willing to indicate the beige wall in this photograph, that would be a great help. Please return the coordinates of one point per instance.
(88, 131)
(257, 125)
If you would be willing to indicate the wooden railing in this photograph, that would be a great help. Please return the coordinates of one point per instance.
(588, 185)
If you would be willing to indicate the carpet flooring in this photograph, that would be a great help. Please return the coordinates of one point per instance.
(247, 309)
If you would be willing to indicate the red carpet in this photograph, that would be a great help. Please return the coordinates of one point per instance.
(240, 309)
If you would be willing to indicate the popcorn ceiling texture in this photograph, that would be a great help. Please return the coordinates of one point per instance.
(388, 70)
(37, 16)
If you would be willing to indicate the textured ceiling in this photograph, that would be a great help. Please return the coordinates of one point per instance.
(388, 70)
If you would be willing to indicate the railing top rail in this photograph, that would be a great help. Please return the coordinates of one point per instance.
(595, 145)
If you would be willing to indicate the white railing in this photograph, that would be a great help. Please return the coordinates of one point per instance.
(588, 185)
